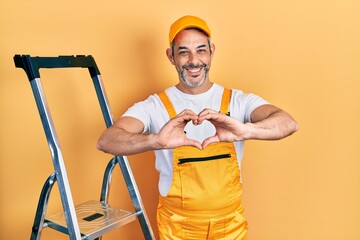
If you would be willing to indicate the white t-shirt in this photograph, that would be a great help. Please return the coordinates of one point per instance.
(152, 113)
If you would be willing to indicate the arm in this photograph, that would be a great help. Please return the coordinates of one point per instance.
(271, 123)
(267, 123)
(125, 136)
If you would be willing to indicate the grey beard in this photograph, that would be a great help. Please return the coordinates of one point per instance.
(191, 84)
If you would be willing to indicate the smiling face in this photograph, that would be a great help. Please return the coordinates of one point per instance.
(191, 55)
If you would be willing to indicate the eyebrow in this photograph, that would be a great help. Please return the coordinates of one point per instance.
(201, 46)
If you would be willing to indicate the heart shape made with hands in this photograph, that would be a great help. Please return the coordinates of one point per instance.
(227, 128)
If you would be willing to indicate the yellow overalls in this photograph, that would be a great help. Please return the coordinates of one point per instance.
(204, 200)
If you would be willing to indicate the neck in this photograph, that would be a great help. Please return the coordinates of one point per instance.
(194, 90)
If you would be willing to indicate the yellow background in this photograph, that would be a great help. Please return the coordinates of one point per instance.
(303, 56)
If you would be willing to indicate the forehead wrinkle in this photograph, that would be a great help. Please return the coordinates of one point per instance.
(184, 47)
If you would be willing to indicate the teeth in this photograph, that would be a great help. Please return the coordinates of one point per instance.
(194, 70)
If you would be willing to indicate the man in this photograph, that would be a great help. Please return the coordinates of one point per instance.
(197, 129)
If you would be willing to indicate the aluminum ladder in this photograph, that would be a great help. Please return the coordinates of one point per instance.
(92, 219)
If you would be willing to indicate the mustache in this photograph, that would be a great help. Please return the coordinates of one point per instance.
(192, 66)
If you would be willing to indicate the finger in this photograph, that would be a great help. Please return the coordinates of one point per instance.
(194, 143)
(209, 140)
(187, 112)
(209, 116)
(196, 122)
(188, 118)
(188, 115)
(205, 114)
(206, 111)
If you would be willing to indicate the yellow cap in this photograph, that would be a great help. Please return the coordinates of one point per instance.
(187, 22)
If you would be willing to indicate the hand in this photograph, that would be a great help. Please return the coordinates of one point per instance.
(172, 135)
(228, 129)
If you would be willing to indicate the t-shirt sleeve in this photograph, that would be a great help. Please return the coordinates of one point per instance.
(141, 111)
(242, 105)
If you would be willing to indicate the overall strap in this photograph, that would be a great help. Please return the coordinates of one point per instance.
(168, 105)
(224, 107)
(225, 102)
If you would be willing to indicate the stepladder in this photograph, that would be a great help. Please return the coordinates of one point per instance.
(94, 218)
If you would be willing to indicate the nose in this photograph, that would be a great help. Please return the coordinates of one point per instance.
(194, 59)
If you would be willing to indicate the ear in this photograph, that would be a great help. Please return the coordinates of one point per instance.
(170, 56)
(212, 49)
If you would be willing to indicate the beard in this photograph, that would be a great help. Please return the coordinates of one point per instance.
(186, 79)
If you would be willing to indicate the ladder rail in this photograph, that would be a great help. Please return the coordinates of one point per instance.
(124, 165)
(57, 158)
(42, 207)
(135, 197)
(104, 197)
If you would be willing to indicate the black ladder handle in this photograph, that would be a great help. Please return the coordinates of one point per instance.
(31, 65)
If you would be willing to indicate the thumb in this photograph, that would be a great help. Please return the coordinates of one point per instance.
(194, 143)
(209, 140)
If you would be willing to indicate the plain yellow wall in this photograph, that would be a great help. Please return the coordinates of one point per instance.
(303, 56)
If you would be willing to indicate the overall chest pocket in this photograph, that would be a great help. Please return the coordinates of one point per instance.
(206, 180)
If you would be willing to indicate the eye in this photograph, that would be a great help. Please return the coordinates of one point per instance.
(182, 52)
(202, 50)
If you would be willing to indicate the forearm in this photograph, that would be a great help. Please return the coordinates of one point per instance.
(117, 141)
(125, 136)
(276, 126)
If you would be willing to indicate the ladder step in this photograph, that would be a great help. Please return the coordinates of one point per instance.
(95, 219)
